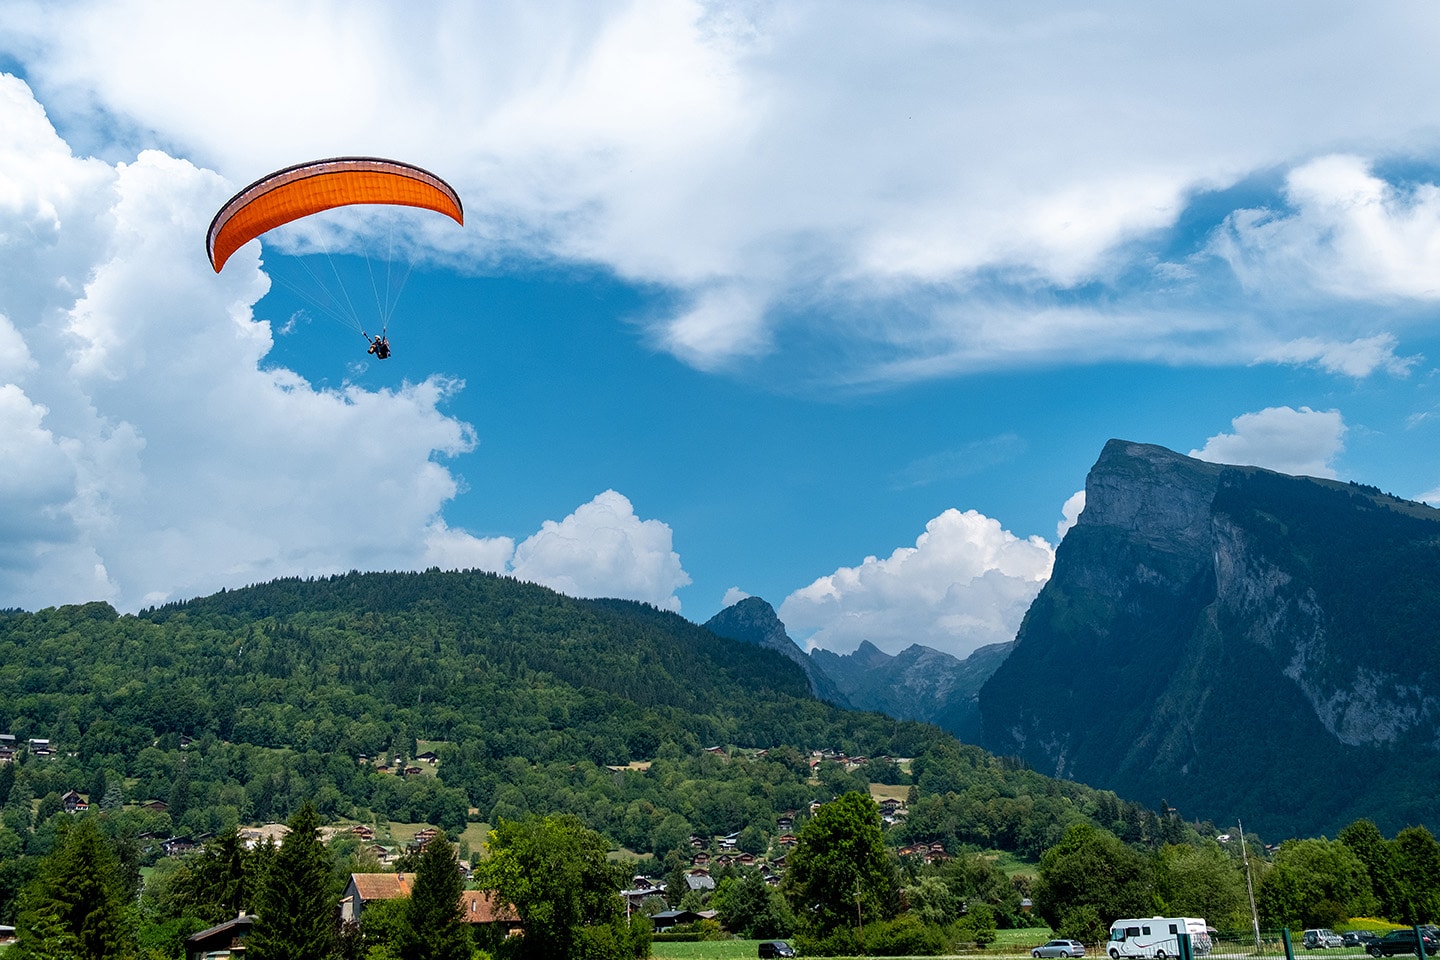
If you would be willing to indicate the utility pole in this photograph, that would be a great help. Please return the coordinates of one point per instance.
(858, 922)
(1249, 884)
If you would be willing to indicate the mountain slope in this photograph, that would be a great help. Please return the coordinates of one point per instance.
(1236, 642)
(918, 683)
(753, 621)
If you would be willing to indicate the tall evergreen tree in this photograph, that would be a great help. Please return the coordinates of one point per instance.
(75, 907)
(434, 928)
(295, 915)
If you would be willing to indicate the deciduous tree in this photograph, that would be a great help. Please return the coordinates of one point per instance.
(840, 867)
(553, 871)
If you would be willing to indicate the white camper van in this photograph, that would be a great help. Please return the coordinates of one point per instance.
(1157, 937)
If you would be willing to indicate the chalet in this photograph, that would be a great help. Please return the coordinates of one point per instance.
(640, 889)
(73, 802)
(363, 832)
(365, 888)
(666, 919)
(785, 822)
(719, 751)
(746, 859)
(478, 907)
(787, 840)
(158, 806)
(428, 757)
(696, 842)
(890, 805)
(175, 846)
(408, 771)
(221, 941)
(424, 835)
(699, 880)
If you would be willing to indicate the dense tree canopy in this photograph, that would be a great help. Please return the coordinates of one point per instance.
(554, 872)
(840, 871)
(1090, 870)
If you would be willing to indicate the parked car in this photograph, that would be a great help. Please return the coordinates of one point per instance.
(1359, 938)
(1059, 948)
(1322, 938)
(1403, 941)
(776, 948)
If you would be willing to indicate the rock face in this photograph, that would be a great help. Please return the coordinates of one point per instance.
(753, 620)
(918, 683)
(1234, 641)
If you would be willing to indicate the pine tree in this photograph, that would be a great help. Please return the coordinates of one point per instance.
(434, 928)
(295, 916)
(75, 907)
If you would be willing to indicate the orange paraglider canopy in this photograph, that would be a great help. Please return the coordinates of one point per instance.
(307, 188)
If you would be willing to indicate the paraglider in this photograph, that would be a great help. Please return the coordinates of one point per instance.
(308, 188)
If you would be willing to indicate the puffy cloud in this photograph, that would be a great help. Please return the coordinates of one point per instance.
(1348, 233)
(1070, 513)
(604, 550)
(966, 583)
(926, 186)
(1302, 442)
(151, 453)
(733, 596)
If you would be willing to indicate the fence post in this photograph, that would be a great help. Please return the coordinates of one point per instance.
(1184, 944)
(1289, 948)
(1420, 950)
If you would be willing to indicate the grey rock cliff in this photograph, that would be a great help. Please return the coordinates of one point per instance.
(1233, 640)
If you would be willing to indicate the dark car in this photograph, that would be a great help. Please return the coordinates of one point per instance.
(1059, 948)
(776, 948)
(1403, 941)
(1359, 938)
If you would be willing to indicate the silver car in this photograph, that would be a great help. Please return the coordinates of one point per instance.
(1059, 948)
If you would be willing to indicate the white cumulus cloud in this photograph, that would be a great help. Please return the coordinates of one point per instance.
(967, 582)
(1302, 442)
(920, 186)
(150, 453)
(604, 550)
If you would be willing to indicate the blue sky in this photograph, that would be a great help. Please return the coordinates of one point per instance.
(833, 304)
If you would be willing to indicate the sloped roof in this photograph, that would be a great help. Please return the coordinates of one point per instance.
(381, 886)
(478, 906)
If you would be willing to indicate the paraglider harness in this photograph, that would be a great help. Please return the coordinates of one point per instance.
(379, 346)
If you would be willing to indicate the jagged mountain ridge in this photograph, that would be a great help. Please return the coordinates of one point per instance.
(1236, 642)
(918, 683)
(753, 620)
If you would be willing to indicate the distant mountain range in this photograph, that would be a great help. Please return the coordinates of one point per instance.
(919, 683)
(1231, 641)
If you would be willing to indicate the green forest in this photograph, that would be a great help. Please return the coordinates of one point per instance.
(464, 701)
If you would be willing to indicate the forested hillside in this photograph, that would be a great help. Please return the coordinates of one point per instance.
(235, 708)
